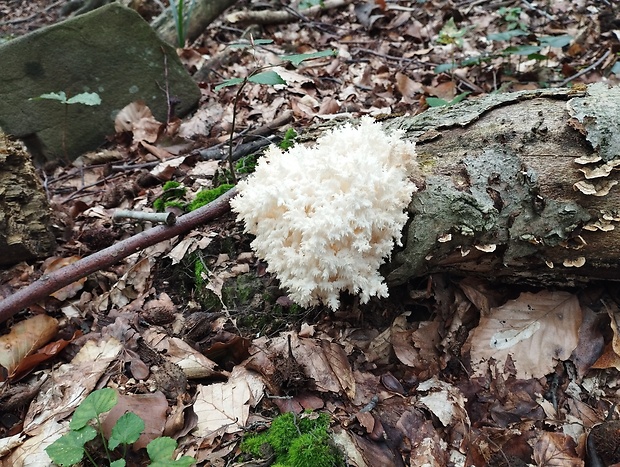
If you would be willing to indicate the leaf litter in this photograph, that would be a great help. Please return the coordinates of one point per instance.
(444, 372)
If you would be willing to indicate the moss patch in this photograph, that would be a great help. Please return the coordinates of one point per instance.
(296, 442)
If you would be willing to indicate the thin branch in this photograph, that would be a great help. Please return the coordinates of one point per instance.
(168, 218)
(585, 70)
(50, 283)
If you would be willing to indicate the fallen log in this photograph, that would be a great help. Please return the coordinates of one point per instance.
(517, 186)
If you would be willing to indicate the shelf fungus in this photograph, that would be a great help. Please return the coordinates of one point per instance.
(600, 224)
(574, 263)
(595, 189)
(600, 171)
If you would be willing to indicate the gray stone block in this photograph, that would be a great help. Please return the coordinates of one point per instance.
(111, 51)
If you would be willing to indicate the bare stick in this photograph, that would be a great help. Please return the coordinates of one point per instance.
(585, 70)
(49, 283)
(168, 218)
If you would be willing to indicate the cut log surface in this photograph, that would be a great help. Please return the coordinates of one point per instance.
(518, 186)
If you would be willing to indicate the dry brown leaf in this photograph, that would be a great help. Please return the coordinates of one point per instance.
(417, 348)
(444, 400)
(407, 87)
(226, 406)
(555, 450)
(47, 352)
(130, 115)
(608, 359)
(193, 363)
(339, 363)
(53, 264)
(71, 383)
(25, 338)
(535, 330)
(310, 355)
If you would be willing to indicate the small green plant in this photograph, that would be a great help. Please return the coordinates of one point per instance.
(514, 27)
(450, 35)
(71, 448)
(85, 98)
(288, 140)
(261, 75)
(296, 441)
(181, 18)
(172, 196)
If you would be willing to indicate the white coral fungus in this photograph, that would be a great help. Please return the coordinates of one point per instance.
(326, 217)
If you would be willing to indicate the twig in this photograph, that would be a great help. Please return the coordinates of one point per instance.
(585, 70)
(242, 150)
(168, 218)
(282, 16)
(166, 90)
(538, 10)
(124, 167)
(49, 283)
(76, 193)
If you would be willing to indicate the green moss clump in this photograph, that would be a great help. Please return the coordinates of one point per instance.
(297, 442)
(171, 197)
(206, 196)
(246, 164)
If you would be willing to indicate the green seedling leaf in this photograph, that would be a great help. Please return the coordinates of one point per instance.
(69, 448)
(556, 41)
(52, 96)
(267, 77)
(97, 402)
(126, 431)
(436, 102)
(118, 463)
(86, 98)
(521, 50)
(539, 57)
(506, 35)
(298, 58)
(459, 98)
(476, 60)
(246, 45)
(305, 4)
(445, 67)
(161, 450)
(229, 82)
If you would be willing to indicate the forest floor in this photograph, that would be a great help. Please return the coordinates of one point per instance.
(407, 380)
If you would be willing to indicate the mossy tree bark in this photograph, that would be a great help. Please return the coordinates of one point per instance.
(518, 186)
(24, 211)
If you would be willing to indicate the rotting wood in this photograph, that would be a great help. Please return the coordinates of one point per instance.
(504, 189)
(24, 211)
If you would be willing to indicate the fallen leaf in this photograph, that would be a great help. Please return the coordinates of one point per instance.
(535, 330)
